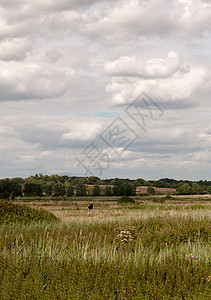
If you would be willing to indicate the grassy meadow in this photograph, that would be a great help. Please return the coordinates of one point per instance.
(154, 248)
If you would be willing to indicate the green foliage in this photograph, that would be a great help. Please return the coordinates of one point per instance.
(209, 189)
(127, 189)
(108, 191)
(59, 189)
(70, 191)
(11, 187)
(141, 181)
(96, 190)
(126, 199)
(150, 190)
(49, 189)
(115, 190)
(158, 259)
(184, 189)
(18, 213)
(80, 189)
(33, 189)
(4, 195)
(93, 180)
(196, 189)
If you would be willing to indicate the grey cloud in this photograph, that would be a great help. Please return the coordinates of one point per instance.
(14, 49)
(119, 21)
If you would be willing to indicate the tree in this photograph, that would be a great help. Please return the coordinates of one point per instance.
(108, 191)
(151, 190)
(96, 190)
(49, 189)
(209, 189)
(33, 189)
(184, 189)
(115, 190)
(80, 189)
(196, 189)
(59, 189)
(127, 189)
(70, 191)
(17, 190)
(93, 180)
(141, 181)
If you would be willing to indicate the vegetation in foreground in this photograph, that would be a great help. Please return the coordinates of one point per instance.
(130, 255)
(11, 213)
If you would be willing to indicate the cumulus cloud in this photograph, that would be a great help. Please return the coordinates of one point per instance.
(153, 68)
(27, 81)
(166, 80)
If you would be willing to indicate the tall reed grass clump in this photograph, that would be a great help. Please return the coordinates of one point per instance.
(166, 257)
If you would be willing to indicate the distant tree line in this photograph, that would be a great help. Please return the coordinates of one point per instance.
(55, 185)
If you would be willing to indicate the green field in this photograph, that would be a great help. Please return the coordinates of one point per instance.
(145, 250)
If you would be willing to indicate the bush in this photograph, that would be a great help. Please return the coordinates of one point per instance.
(19, 213)
(209, 189)
(184, 189)
(126, 199)
(4, 195)
(151, 190)
(196, 189)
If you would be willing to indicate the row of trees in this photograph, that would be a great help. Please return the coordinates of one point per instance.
(73, 180)
(55, 185)
(11, 189)
(194, 189)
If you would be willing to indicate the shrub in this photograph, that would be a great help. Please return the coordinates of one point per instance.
(126, 199)
(196, 189)
(184, 189)
(209, 189)
(4, 195)
(19, 213)
(150, 190)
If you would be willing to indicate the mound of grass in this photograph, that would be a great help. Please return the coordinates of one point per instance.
(126, 199)
(19, 213)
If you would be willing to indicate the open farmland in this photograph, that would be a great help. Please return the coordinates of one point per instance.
(154, 248)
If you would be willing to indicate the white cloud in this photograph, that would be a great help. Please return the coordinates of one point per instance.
(175, 81)
(83, 131)
(153, 68)
(27, 81)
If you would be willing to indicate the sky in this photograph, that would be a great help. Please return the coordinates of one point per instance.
(105, 88)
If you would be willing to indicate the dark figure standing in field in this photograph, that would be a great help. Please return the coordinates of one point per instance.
(90, 207)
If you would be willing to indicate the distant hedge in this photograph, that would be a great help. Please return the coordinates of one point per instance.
(19, 213)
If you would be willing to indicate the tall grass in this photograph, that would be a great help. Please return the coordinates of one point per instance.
(119, 256)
